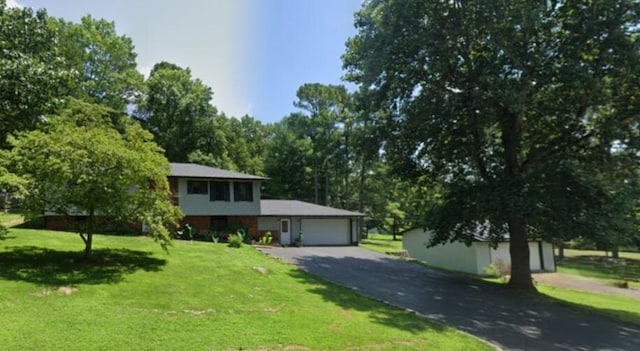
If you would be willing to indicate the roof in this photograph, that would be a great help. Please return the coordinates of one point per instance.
(302, 209)
(199, 171)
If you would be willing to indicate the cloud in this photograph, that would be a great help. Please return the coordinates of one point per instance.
(14, 4)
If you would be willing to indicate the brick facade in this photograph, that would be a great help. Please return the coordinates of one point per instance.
(202, 223)
(63, 223)
(57, 223)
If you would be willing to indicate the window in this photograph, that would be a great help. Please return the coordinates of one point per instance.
(242, 191)
(219, 191)
(218, 223)
(197, 187)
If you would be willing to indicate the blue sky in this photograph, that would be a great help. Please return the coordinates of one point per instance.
(254, 54)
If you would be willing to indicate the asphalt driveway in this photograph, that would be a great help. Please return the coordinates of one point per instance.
(491, 312)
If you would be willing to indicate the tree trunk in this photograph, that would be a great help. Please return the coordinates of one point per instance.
(87, 246)
(519, 250)
(394, 229)
(315, 183)
(561, 250)
(615, 251)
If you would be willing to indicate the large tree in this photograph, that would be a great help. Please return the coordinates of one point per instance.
(32, 77)
(287, 162)
(80, 167)
(104, 62)
(327, 123)
(496, 100)
(177, 111)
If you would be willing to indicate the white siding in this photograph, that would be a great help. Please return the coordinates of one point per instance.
(500, 253)
(295, 229)
(474, 259)
(199, 205)
(484, 254)
(269, 223)
(534, 256)
(548, 257)
(456, 256)
(326, 231)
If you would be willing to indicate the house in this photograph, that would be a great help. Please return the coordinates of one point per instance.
(475, 258)
(219, 200)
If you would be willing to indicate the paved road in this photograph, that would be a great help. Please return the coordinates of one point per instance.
(485, 310)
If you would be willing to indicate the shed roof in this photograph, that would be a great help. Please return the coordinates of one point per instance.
(302, 209)
(199, 171)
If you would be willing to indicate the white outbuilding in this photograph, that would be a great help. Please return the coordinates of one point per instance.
(476, 257)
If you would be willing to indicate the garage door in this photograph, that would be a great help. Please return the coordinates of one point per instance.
(326, 231)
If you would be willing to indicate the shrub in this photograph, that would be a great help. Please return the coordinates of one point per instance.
(235, 240)
(491, 270)
(186, 233)
(215, 236)
(266, 239)
(497, 269)
(623, 284)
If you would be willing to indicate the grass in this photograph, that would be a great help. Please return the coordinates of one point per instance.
(618, 307)
(10, 219)
(595, 264)
(382, 243)
(199, 296)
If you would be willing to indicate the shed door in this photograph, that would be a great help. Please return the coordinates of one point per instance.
(326, 231)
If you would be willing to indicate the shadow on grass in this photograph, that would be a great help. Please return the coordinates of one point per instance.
(384, 244)
(615, 314)
(54, 268)
(604, 267)
(378, 312)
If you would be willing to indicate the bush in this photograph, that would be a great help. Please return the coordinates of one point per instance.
(186, 233)
(235, 240)
(215, 236)
(266, 239)
(497, 269)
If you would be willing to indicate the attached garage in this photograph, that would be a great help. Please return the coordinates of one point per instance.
(318, 225)
(326, 231)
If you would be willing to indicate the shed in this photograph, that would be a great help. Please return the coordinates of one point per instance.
(476, 257)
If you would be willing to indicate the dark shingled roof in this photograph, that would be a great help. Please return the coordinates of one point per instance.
(193, 170)
(300, 208)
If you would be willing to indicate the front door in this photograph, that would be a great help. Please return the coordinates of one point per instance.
(285, 231)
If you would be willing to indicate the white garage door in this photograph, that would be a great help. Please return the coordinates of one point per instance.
(326, 231)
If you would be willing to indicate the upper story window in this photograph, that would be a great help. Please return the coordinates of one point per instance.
(242, 191)
(219, 191)
(197, 187)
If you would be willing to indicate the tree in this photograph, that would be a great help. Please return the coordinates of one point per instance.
(104, 62)
(177, 111)
(80, 167)
(493, 99)
(327, 124)
(32, 77)
(287, 162)
(246, 143)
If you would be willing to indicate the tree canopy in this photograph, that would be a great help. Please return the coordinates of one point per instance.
(32, 77)
(508, 105)
(80, 167)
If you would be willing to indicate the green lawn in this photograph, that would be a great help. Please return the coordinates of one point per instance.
(595, 264)
(619, 307)
(199, 296)
(9, 219)
(382, 243)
